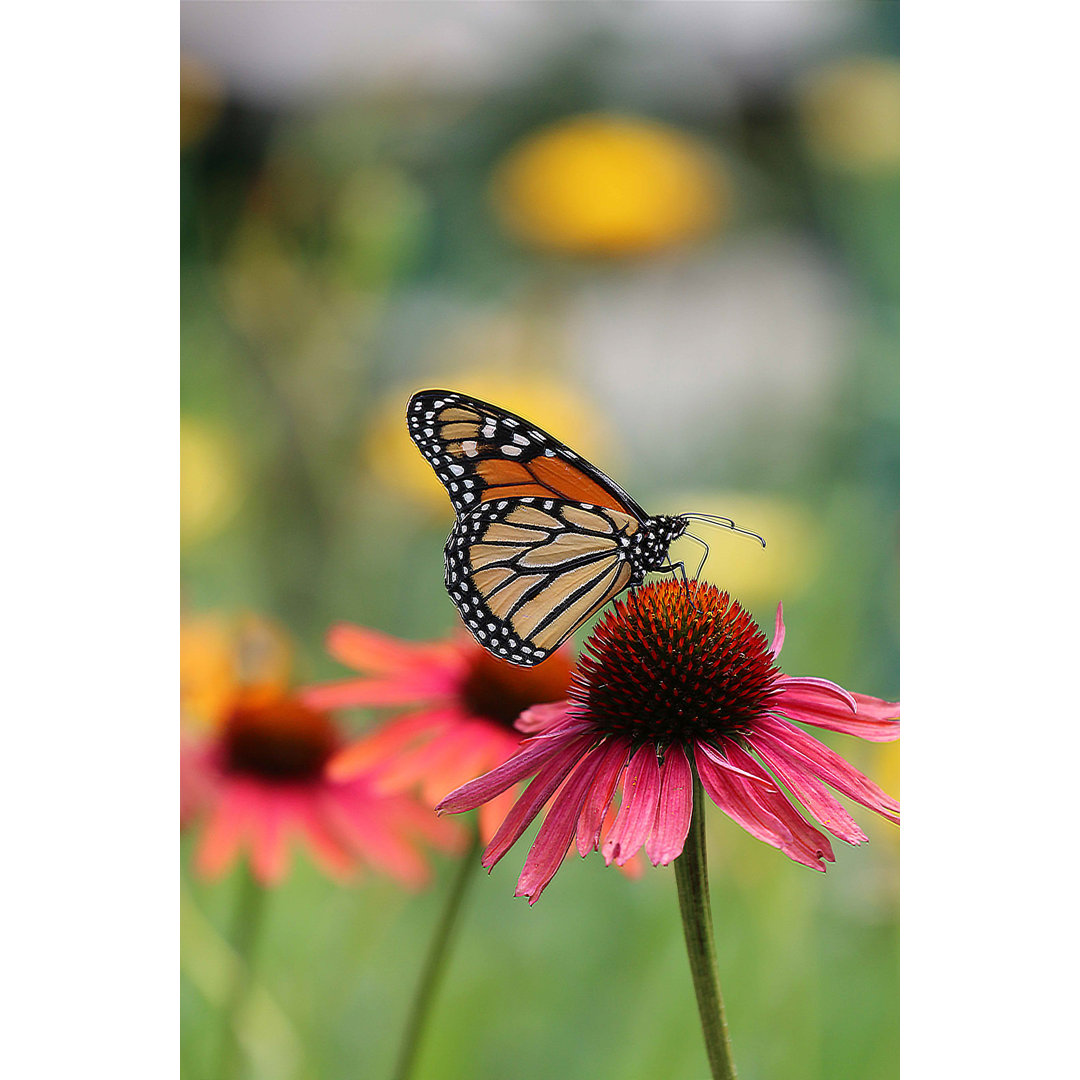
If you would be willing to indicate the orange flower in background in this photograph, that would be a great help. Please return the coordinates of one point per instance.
(458, 705)
(610, 185)
(256, 781)
(220, 656)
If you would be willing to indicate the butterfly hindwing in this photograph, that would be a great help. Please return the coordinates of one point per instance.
(482, 453)
(526, 572)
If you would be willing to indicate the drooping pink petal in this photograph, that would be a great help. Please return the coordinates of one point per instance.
(640, 794)
(528, 760)
(370, 834)
(226, 826)
(673, 810)
(720, 786)
(405, 769)
(811, 683)
(489, 748)
(370, 651)
(811, 792)
(873, 719)
(722, 762)
(543, 786)
(810, 846)
(594, 812)
(407, 688)
(269, 842)
(539, 718)
(390, 740)
(778, 633)
(826, 764)
(553, 840)
(326, 848)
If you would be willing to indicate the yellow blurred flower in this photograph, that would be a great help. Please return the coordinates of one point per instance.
(201, 95)
(779, 572)
(610, 185)
(222, 655)
(209, 481)
(396, 464)
(851, 113)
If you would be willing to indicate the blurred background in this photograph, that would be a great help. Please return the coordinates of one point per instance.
(669, 234)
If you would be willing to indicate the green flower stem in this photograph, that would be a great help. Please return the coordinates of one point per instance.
(250, 905)
(692, 877)
(435, 961)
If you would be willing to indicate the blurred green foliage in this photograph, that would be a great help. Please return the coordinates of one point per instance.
(326, 253)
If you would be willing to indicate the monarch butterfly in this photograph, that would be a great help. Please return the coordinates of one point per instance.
(542, 539)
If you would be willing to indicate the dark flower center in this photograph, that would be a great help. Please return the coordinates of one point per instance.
(501, 692)
(675, 665)
(278, 739)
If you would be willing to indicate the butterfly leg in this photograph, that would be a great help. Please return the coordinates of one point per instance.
(680, 569)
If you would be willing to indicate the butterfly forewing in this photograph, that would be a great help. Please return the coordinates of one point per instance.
(482, 453)
(526, 572)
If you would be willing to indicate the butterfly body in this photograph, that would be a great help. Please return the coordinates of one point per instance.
(543, 539)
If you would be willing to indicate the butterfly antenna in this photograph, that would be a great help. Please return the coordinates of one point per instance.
(701, 565)
(723, 523)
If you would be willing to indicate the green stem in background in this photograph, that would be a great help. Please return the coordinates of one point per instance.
(250, 905)
(692, 877)
(435, 961)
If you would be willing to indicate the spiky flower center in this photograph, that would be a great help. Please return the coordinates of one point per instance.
(675, 664)
(500, 692)
(277, 738)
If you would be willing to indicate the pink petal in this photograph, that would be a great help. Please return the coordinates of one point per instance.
(553, 840)
(325, 846)
(369, 829)
(673, 810)
(539, 718)
(613, 756)
(640, 794)
(810, 846)
(224, 831)
(826, 764)
(536, 794)
(778, 633)
(431, 759)
(874, 720)
(720, 786)
(269, 844)
(812, 684)
(718, 759)
(389, 740)
(525, 762)
(368, 650)
(407, 688)
(812, 793)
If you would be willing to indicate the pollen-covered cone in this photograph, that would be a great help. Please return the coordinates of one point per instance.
(676, 681)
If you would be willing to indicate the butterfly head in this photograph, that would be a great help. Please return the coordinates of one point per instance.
(657, 536)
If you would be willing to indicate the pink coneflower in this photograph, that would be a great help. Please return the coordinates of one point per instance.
(458, 706)
(675, 681)
(258, 781)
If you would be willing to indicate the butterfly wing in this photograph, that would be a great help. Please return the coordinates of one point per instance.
(526, 572)
(482, 453)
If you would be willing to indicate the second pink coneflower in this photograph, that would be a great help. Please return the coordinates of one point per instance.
(456, 706)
